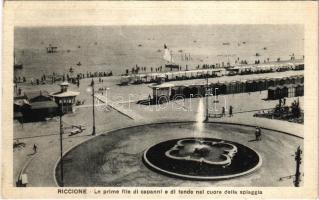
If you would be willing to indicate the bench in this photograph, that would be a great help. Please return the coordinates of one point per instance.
(215, 115)
(79, 129)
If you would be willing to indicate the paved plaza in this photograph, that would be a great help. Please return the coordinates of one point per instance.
(40, 166)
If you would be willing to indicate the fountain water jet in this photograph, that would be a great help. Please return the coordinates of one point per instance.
(200, 118)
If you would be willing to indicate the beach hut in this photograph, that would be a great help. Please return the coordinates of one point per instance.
(237, 87)
(284, 91)
(295, 79)
(219, 88)
(160, 78)
(252, 85)
(271, 82)
(143, 78)
(178, 90)
(255, 85)
(220, 72)
(281, 81)
(260, 84)
(289, 80)
(215, 88)
(271, 93)
(298, 79)
(136, 79)
(266, 83)
(186, 92)
(276, 81)
(125, 80)
(232, 87)
(249, 86)
(194, 91)
(277, 94)
(299, 90)
(202, 89)
(243, 86)
(281, 91)
(299, 67)
(162, 92)
(223, 88)
(173, 76)
(291, 90)
(229, 88)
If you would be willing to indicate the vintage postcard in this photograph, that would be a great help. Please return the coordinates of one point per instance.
(160, 100)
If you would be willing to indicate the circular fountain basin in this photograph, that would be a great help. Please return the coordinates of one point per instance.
(116, 157)
(201, 158)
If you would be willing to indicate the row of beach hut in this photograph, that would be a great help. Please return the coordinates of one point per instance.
(170, 91)
(283, 91)
(160, 77)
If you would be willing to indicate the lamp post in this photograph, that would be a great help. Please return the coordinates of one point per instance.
(298, 162)
(297, 174)
(61, 144)
(93, 110)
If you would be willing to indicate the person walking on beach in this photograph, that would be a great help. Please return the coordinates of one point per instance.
(230, 111)
(284, 103)
(223, 111)
(35, 148)
(258, 134)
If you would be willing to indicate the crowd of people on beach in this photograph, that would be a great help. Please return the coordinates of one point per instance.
(54, 77)
(137, 69)
(142, 69)
(19, 79)
(94, 74)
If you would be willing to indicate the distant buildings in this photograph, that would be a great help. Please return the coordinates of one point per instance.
(34, 106)
(39, 105)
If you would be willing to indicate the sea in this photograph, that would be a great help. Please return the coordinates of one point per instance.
(117, 48)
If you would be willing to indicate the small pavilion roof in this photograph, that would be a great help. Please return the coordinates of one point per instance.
(65, 94)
